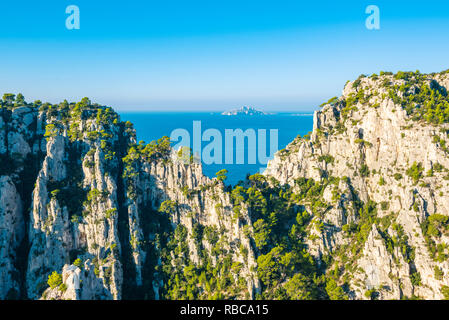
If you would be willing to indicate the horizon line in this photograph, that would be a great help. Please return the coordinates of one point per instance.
(305, 112)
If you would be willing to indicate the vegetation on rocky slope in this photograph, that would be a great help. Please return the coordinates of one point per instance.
(336, 216)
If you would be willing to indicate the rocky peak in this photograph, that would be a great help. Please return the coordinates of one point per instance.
(386, 137)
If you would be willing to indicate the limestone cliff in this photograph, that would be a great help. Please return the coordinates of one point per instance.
(384, 140)
(358, 209)
(80, 198)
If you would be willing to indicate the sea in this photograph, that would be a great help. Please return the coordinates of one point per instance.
(154, 125)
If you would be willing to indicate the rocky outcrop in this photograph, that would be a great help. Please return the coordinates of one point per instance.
(197, 201)
(83, 201)
(390, 158)
(78, 283)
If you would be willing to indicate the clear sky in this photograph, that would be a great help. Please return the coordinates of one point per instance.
(212, 55)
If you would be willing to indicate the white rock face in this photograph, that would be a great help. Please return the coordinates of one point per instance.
(50, 232)
(56, 233)
(380, 269)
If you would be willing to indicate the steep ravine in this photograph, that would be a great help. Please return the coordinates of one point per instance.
(358, 209)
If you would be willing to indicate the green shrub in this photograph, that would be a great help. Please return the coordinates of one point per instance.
(415, 172)
(445, 292)
(54, 280)
(364, 171)
(168, 207)
(415, 278)
(78, 262)
(384, 205)
(62, 287)
(326, 158)
(371, 294)
(434, 224)
(51, 131)
(438, 273)
(334, 291)
(222, 175)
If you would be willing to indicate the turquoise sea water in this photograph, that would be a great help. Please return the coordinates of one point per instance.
(154, 125)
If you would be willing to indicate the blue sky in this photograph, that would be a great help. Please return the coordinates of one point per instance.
(212, 55)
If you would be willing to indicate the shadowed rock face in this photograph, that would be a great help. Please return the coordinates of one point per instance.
(121, 220)
(12, 230)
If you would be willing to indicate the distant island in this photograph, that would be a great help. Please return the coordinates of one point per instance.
(244, 111)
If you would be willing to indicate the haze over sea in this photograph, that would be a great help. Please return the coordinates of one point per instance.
(154, 125)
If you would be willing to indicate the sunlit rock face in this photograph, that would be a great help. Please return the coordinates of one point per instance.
(387, 156)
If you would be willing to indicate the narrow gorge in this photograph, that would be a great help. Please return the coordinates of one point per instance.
(357, 209)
